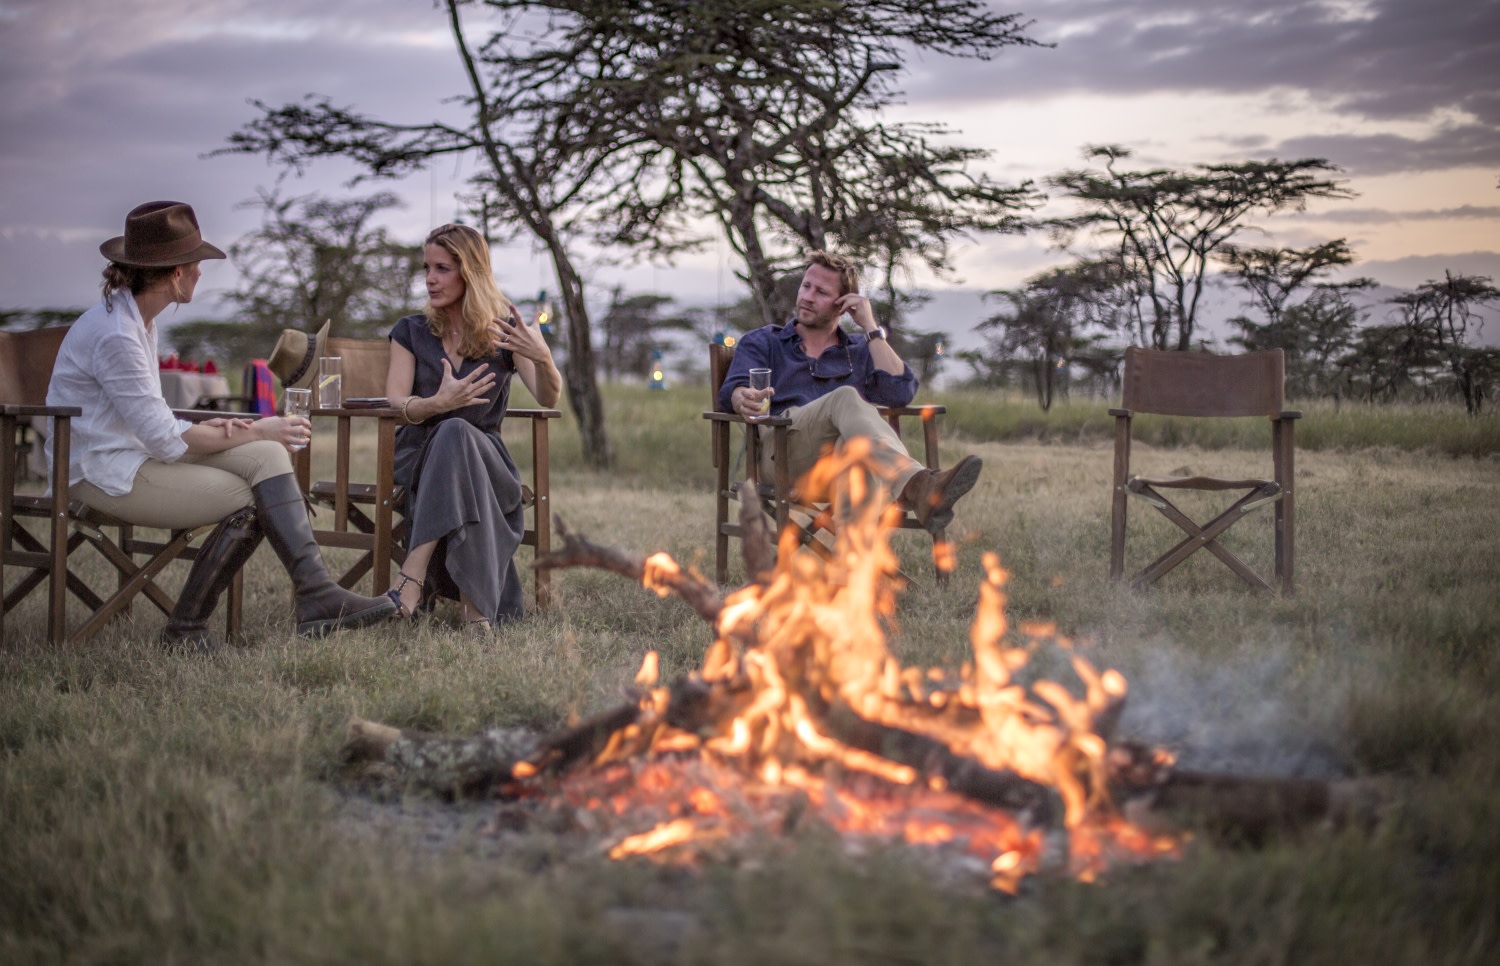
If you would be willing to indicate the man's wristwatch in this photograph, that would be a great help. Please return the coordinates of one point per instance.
(876, 333)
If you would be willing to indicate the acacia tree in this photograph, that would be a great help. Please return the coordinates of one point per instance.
(1164, 227)
(1385, 361)
(761, 116)
(317, 259)
(313, 259)
(1312, 332)
(1445, 312)
(524, 182)
(632, 329)
(1058, 318)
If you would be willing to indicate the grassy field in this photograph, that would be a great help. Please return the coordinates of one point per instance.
(166, 809)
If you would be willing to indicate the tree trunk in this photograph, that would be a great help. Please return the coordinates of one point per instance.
(762, 280)
(525, 192)
(578, 371)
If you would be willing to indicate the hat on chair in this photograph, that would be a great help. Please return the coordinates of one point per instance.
(159, 234)
(294, 360)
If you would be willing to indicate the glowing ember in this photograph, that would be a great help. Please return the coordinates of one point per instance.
(799, 679)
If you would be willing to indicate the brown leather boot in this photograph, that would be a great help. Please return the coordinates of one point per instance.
(220, 557)
(322, 605)
(931, 495)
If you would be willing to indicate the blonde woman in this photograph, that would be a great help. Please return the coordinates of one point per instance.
(451, 368)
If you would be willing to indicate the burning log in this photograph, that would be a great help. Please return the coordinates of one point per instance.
(798, 682)
(937, 763)
(659, 572)
(798, 707)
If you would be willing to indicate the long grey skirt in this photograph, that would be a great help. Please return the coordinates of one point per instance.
(464, 491)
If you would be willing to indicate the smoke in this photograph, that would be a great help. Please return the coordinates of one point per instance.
(1257, 713)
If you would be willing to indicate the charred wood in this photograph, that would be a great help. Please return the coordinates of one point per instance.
(658, 573)
(933, 759)
(451, 767)
(1236, 809)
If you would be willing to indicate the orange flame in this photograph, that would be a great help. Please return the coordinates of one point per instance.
(809, 643)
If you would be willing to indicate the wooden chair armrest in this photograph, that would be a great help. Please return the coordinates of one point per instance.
(1122, 412)
(20, 409)
(357, 412)
(719, 417)
(935, 409)
(533, 413)
(199, 415)
(1288, 414)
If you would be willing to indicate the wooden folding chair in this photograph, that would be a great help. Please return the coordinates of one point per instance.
(1200, 385)
(779, 497)
(25, 367)
(366, 515)
(26, 360)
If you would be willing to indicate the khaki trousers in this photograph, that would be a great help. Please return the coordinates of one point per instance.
(839, 416)
(194, 490)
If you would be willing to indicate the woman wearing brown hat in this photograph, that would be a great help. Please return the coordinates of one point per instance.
(450, 374)
(134, 460)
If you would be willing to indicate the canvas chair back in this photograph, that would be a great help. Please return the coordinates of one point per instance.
(26, 360)
(366, 362)
(1203, 385)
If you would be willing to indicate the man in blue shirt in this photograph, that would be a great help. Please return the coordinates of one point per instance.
(829, 383)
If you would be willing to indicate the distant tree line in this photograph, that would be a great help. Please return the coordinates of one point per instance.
(1152, 243)
(652, 129)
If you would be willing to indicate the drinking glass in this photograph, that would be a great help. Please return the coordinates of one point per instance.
(330, 382)
(761, 379)
(298, 403)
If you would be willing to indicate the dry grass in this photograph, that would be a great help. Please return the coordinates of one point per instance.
(167, 809)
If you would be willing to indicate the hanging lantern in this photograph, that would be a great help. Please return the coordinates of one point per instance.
(656, 376)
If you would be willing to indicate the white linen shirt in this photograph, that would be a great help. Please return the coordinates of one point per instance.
(107, 367)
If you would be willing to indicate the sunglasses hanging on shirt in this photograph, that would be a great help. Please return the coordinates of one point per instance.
(829, 365)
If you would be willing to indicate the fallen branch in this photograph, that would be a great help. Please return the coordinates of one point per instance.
(450, 767)
(658, 572)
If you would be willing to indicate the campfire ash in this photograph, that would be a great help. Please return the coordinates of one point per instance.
(800, 714)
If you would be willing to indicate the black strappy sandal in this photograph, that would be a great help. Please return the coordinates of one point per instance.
(402, 613)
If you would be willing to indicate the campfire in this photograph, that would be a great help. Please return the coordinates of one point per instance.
(801, 714)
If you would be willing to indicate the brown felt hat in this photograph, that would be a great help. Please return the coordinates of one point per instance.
(159, 234)
(295, 358)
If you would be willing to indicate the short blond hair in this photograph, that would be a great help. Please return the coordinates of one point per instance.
(848, 276)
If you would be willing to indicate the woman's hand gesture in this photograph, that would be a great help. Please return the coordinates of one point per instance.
(521, 339)
(456, 393)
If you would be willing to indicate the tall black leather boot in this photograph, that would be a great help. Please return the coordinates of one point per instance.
(322, 605)
(220, 557)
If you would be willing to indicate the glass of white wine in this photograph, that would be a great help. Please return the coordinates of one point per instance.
(298, 402)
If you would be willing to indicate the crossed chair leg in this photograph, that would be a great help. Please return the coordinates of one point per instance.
(1204, 537)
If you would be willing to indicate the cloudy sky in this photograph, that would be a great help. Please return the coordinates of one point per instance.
(107, 103)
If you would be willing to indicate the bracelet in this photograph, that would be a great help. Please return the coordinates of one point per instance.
(405, 417)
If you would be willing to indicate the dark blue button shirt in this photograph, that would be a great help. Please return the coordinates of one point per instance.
(799, 380)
